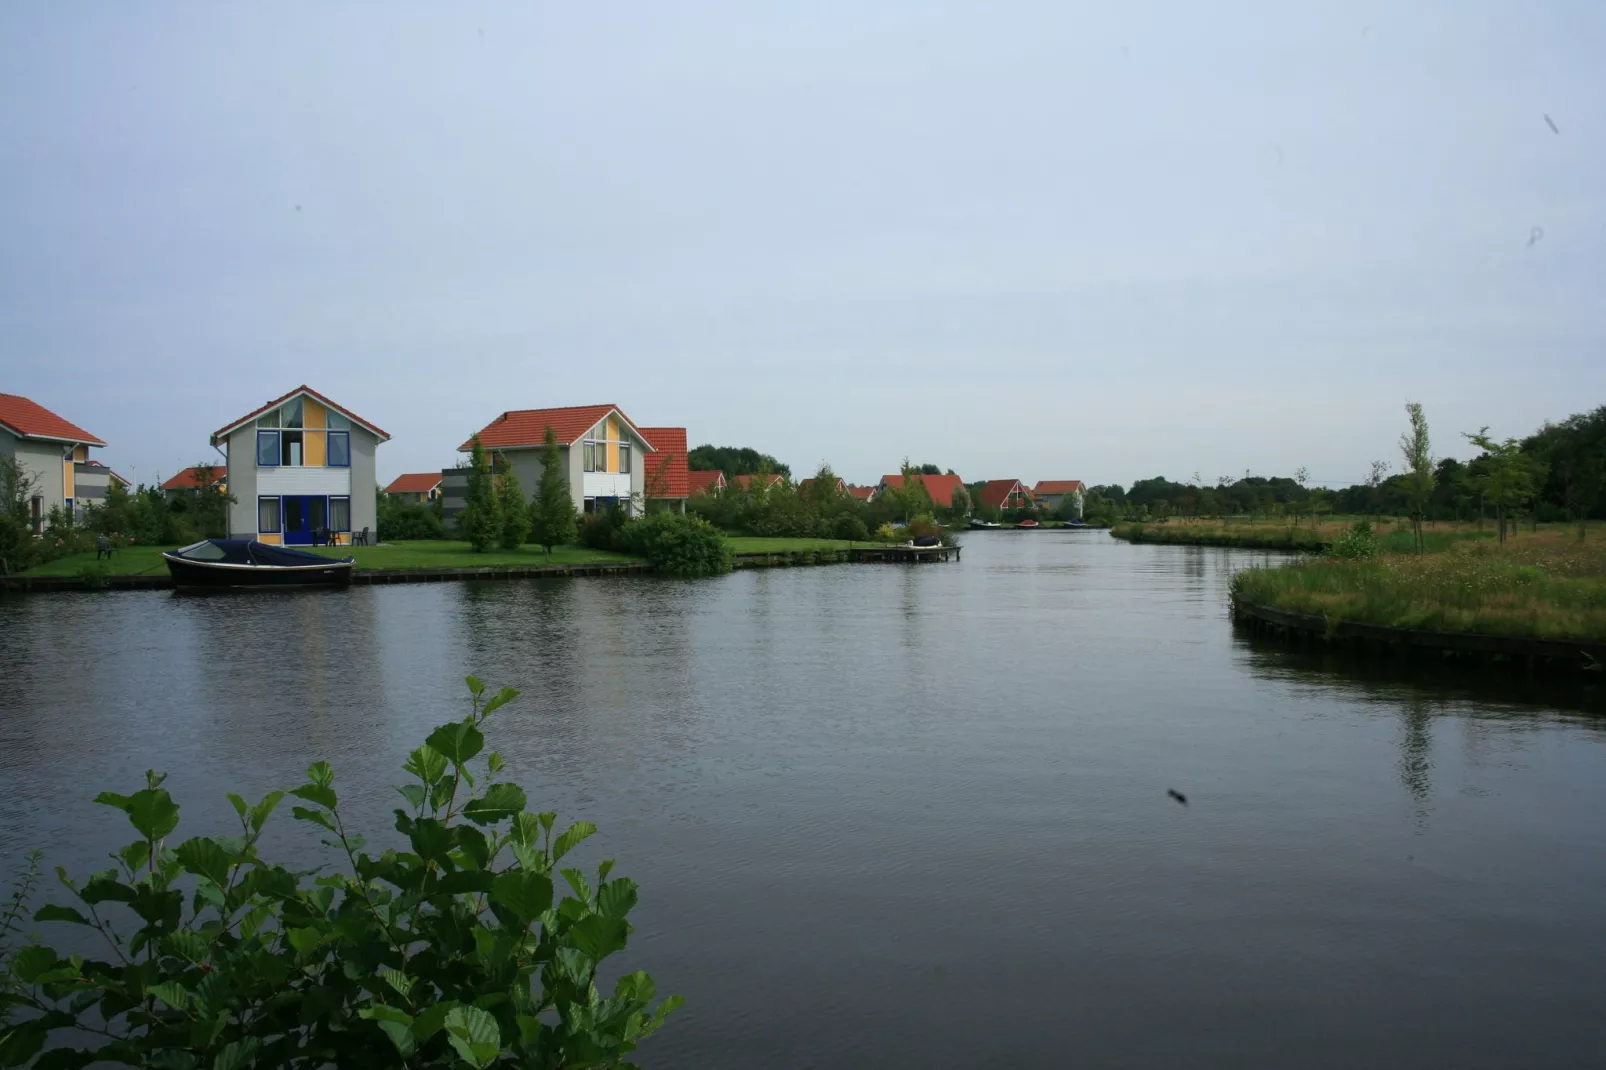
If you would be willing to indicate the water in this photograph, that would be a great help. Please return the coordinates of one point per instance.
(916, 816)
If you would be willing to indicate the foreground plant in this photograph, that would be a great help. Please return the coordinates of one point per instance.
(450, 952)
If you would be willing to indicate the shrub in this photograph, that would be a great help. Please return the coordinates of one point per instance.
(922, 526)
(402, 521)
(450, 951)
(1357, 544)
(679, 545)
(852, 528)
(95, 575)
(604, 529)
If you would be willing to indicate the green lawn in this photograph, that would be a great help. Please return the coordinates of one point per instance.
(142, 560)
(747, 544)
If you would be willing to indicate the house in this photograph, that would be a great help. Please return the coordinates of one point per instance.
(668, 481)
(1050, 493)
(803, 487)
(300, 465)
(1003, 494)
(863, 494)
(711, 482)
(602, 472)
(187, 484)
(415, 487)
(54, 453)
(758, 484)
(940, 488)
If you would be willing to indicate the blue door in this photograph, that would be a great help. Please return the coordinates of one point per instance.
(304, 514)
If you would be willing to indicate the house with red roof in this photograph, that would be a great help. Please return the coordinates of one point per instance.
(187, 483)
(939, 488)
(415, 487)
(301, 470)
(1005, 494)
(863, 494)
(1050, 494)
(668, 480)
(54, 453)
(603, 453)
(841, 486)
(758, 484)
(705, 482)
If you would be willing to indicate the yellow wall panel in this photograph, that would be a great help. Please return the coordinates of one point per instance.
(271, 538)
(613, 444)
(312, 415)
(313, 453)
(66, 478)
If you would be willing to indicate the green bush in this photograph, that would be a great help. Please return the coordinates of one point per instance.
(450, 950)
(403, 521)
(851, 528)
(95, 575)
(679, 545)
(604, 529)
(1357, 544)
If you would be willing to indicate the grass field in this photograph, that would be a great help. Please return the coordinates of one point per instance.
(143, 560)
(746, 544)
(1281, 535)
(1547, 584)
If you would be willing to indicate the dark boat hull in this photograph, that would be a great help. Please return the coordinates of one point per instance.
(213, 576)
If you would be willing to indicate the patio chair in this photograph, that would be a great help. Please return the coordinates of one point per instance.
(361, 538)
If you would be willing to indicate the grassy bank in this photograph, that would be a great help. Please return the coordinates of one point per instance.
(1546, 585)
(747, 544)
(147, 560)
(1307, 536)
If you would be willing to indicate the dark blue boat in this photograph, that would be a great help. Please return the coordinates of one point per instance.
(219, 563)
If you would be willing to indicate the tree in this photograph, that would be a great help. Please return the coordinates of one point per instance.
(111, 517)
(17, 489)
(959, 508)
(1509, 477)
(822, 492)
(552, 515)
(1417, 449)
(211, 503)
(515, 526)
(1374, 485)
(734, 461)
(480, 521)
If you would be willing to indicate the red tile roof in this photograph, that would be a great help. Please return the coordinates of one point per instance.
(864, 494)
(29, 419)
(705, 481)
(414, 483)
(997, 491)
(1056, 486)
(802, 488)
(190, 478)
(302, 389)
(940, 488)
(668, 465)
(521, 428)
(747, 481)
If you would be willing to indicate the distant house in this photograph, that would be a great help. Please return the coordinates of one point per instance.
(602, 452)
(752, 482)
(300, 466)
(705, 482)
(1050, 493)
(1004, 494)
(415, 487)
(668, 480)
(863, 494)
(803, 487)
(940, 488)
(54, 453)
(187, 484)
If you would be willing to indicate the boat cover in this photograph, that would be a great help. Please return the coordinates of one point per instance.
(250, 552)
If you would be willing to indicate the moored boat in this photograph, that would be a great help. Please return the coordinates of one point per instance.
(984, 525)
(1028, 523)
(221, 563)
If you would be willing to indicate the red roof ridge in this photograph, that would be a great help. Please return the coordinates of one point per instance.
(414, 483)
(191, 477)
(26, 418)
(525, 428)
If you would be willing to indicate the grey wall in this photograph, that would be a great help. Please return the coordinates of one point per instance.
(454, 494)
(241, 458)
(364, 480)
(41, 461)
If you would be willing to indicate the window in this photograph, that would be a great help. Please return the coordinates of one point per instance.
(340, 449)
(339, 514)
(624, 458)
(267, 448)
(268, 515)
(336, 422)
(290, 449)
(291, 413)
(270, 420)
(590, 457)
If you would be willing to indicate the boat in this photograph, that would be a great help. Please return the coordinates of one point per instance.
(926, 541)
(1028, 523)
(984, 525)
(215, 564)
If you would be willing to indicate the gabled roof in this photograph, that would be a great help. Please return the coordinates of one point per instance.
(525, 428)
(669, 462)
(414, 483)
(745, 482)
(1057, 486)
(190, 478)
(939, 488)
(996, 491)
(701, 481)
(864, 494)
(803, 487)
(26, 418)
(223, 432)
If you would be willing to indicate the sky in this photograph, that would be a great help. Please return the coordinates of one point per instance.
(1034, 240)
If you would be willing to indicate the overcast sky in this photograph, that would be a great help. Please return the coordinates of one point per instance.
(1033, 240)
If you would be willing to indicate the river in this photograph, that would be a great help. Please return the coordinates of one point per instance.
(915, 816)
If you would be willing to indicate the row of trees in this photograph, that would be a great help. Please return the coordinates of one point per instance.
(496, 514)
